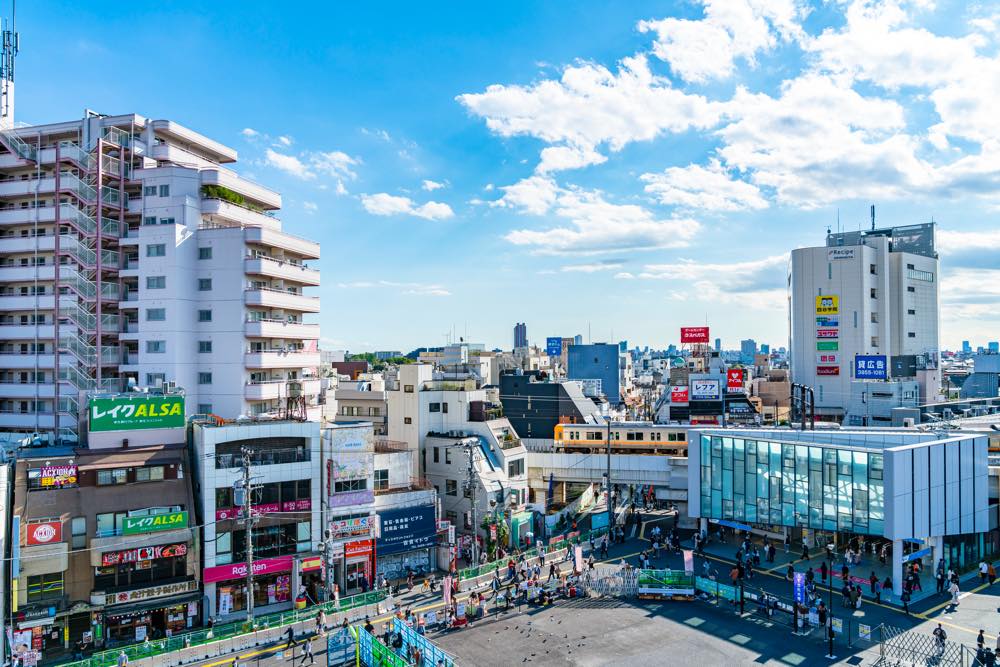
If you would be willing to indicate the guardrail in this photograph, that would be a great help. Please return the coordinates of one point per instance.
(571, 539)
(150, 649)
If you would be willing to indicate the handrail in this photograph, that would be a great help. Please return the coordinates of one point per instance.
(279, 291)
(23, 149)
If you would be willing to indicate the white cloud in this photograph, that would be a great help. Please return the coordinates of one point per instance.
(310, 206)
(752, 283)
(591, 106)
(431, 186)
(534, 195)
(417, 289)
(590, 268)
(289, 164)
(561, 158)
(249, 132)
(285, 140)
(704, 49)
(386, 204)
(696, 187)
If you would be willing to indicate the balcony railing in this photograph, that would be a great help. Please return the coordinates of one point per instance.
(263, 458)
(415, 484)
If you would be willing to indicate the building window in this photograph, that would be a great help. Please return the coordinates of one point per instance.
(874, 341)
(204, 284)
(451, 517)
(204, 253)
(437, 455)
(408, 388)
(204, 347)
(45, 587)
(149, 191)
(149, 220)
(204, 408)
(149, 474)
(156, 314)
(156, 346)
(910, 266)
(447, 456)
(78, 527)
(381, 480)
(112, 477)
(872, 269)
(407, 420)
(350, 485)
(435, 407)
(451, 487)
(444, 407)
(467, 520)
(915, 274)
(204, 378)
(911, 334)
(164, 190)
(156, 250)
(155, 379)
(166, 221)
(911, 288)
(874, 317)
(873, 293)
(911, 311)
(515, 468)
(156, 282)
(374, 412)
(204, 315)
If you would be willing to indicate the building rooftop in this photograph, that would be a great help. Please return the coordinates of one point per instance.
(871, 439)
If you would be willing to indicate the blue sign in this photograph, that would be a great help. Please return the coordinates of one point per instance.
(553, 346)
(916, 555)
(599, 520)
(870, 367)
(827, 321)
(799, 587)
(406, 529)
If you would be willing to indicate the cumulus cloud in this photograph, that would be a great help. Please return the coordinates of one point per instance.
(249, 132)
(310, 206)
(712, 188)
(431, 186)
(591, 268)
(311, 164)
(385, 204)
(758, 283)
(289, 164)
(417, 289)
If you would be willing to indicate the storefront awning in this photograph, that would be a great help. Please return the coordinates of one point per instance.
(151, 605)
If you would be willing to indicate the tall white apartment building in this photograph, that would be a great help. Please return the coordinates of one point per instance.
(871, 294)
(129, 251)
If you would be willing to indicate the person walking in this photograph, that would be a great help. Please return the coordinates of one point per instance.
(940, 637)
(789, 573)
(905, 599)
(981, 640)
(788, 541)
(308, 653)
(939, 579)
(873, 583)
(983, 570)
(953, 589)
(321, 623)
(122, 659)
(290, 640)
(822, 572)
(805, 552)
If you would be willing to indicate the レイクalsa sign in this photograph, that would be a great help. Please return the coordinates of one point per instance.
(130, 413)
(136, 525)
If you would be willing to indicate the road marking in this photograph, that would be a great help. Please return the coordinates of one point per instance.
(947, 602)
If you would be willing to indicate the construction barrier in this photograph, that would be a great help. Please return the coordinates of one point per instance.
(430, 654)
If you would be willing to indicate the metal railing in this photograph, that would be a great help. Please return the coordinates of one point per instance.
(23, 149)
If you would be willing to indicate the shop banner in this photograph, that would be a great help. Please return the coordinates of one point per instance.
(143, 553)
(348, 498)
(688, 560)
(734, 379)
(799, 587)
(301, 505)
(239, 570)
(358, 548)
(137, 525)
(553, 346)
(828, 305)
(150, 593)
(828, 370)
(678, 394)
(48, 532)
(870, 367)
(134, 412)
(407, 529)
(694, 334)
(56, 476)
(446, 590)
(236, 512)
(705, 390)
(827, 333)
(359, 525)
(827, 346)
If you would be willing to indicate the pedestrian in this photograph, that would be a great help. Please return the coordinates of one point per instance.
(789, 573)
(998, 643)
(706, 567)
(805, 552)
(846, 593)
(552, 572)
(122, 659)
(308, 653)
(940, 636)
(409, 581)
(873, 582)
(291, 637)
(939, 579)
(788, 541)
(822, 571)
(981, 639)
(983, 571)
(369, 628)
(905, 599)
(953, 589)
(770, 553)
(821, 613)
(604, 548)
(991, 573)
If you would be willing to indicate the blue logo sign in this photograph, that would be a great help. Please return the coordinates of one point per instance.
(553, 346)
(828, 321)
(870, 367)
(799, 587)
(406, 529)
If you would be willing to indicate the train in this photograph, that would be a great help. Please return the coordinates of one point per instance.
(626, 438)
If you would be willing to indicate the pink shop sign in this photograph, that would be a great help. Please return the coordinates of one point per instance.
(235, 512)
(296, 505)
(239, 570)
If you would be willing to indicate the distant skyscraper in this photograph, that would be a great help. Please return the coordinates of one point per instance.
(718, 345)
(748, 350)
(994, 347)
(966, 348)
(520, 335)
(578, 339)
(765, 348)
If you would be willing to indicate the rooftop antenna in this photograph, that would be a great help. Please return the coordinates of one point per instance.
(873, 217)
(11, 43)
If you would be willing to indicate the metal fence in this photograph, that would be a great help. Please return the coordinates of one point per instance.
(906, 647)
(571, 539)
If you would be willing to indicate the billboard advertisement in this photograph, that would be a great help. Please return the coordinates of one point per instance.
(827, 321)
(870, 367)
(46, 532)
(553, 346)
(826, 358)
(827, 346)
(840, 253)
(828, 304)
(137, 525)
(827, 333)
(406, 529)
(705, 390)
(734, 379)
(828, 370)
(679, 394)
(143, 553)
(131, 413)
(694, 334)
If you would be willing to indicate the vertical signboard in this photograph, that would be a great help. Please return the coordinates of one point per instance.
(734, 379)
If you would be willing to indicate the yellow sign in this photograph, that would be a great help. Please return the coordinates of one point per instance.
(828, 304)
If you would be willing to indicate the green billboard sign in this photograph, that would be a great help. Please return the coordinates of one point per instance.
(827, 346)
(136, 525)
(130, 413)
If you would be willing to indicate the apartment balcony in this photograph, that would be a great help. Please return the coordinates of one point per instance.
(269, 237)
(16, 360)
(42, 302)
(221, 211)
(24, 188)
(273, 298)
(279, 359)
(26, 331)
(281, 329)
(27, 390)
(273, 268)
(14, 419)
(266, 390)
(24, 244)
(268, 198)
(27, 273)
(415, 484)
(176, 155)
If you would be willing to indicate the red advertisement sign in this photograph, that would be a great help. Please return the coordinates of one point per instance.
(827, 333)
(694, 334)
(48, 532)
(734, 379)
(143, 553)
(239, 570)
(358, 548)
(679, 394)
(828, 370)
(296, 505)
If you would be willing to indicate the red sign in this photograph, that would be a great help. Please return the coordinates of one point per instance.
(358, 548)
(828, 370)
(696, 419)
(827, 333)
(239, 570)
(734, 379)
(143, 553)
(694, 334)
(296, 505)
(48, 532)
(679, 394)
(235, 512)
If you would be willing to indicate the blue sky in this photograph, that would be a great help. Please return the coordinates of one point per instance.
(622, 168)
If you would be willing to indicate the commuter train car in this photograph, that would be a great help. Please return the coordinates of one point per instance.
(626, 438)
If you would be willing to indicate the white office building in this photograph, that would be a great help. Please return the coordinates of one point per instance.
(128, 250)
(861, 305)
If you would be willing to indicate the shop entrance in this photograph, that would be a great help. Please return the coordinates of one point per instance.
(354, 575)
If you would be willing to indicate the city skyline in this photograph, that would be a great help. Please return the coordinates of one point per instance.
(611, 165)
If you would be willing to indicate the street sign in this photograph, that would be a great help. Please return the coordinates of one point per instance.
(799, 587)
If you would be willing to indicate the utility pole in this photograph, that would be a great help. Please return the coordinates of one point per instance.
(611, 511)
(470, 488)
(248, 523)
